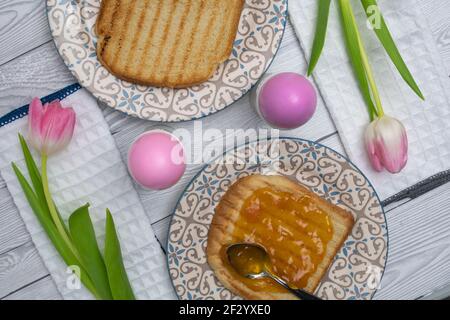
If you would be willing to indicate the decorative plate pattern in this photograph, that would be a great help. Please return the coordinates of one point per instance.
(259, 35)
(356, 270)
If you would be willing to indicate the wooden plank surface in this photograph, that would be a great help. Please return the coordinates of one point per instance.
(23, 27)
(42, 289)
(17, 265)
(30, 66)
(419, 246)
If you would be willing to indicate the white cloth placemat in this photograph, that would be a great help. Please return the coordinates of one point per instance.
(89, 170)
(427, 122)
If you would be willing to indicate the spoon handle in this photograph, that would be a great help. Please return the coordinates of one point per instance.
(302, 294)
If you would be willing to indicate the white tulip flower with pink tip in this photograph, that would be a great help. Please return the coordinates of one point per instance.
(387, 144)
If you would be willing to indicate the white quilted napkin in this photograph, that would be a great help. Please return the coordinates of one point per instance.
(426, 122)
(89, 170)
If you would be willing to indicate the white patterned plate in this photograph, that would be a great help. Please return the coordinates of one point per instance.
(356, 270)
(259, 35)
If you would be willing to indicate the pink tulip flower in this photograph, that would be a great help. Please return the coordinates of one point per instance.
(387, 144)
(50, 129)
(50, 126)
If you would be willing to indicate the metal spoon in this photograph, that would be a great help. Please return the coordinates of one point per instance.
(251, 260)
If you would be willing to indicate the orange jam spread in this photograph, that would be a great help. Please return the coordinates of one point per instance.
(293, 230)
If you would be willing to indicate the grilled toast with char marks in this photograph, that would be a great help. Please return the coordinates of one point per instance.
(166, 43)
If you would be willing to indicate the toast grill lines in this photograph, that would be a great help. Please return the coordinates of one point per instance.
(191, 39)
(105, 22)
(148, 43)
(163, 46)
(150, 20)
(219, 38)
(124, 31)
(140, 26)
(118, 19)
(227, 39)
(210, 35)
(204, 42)
(177, 40)
(132, 29)
(174, 43)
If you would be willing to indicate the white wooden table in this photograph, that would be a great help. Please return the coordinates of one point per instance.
(419, 229)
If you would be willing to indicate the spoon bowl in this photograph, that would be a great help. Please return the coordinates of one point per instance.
(252, 261)
(249, 260)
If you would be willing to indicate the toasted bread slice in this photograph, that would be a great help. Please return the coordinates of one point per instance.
(222, 233)
(166, 43)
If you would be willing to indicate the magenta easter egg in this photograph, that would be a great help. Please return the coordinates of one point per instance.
(156, 160)
(286, 100)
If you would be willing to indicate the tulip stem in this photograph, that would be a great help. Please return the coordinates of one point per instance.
(365, 60)
(51, 206)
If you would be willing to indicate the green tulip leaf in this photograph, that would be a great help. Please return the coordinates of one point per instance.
(36, 178)
(388, 43)
(321, 31)
(118, 279)
(33, 170)
(83, 237)
(49, 227)
(356, 55)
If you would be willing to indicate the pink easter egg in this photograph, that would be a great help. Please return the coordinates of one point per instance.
(156, 160)
(286, 100)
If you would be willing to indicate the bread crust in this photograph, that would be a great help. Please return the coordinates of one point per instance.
(227, 212)
(106, 18)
